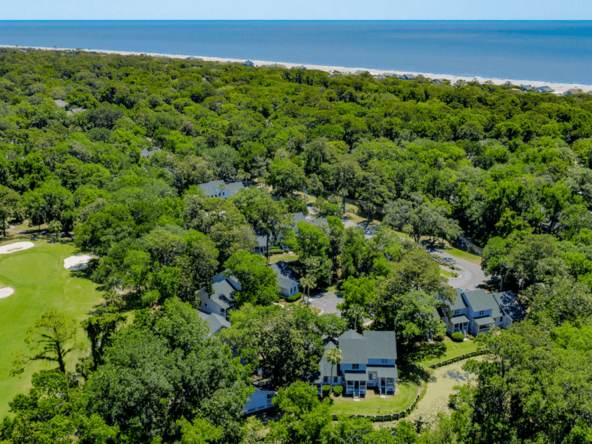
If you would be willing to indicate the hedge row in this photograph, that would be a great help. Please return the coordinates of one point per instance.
(293, 298)
(458, 358)
(382, 418)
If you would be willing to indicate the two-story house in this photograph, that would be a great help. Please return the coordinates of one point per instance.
(222, 298)
(368, 362)
(217, 188)
(258, 401)
(478, 312)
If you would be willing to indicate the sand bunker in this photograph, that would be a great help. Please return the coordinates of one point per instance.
(77, 262)
(5, 292)
(17, 246)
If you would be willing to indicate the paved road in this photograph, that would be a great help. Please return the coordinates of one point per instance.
(471, 275)
(327, 302)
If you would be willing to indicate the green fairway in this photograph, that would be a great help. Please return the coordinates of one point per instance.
(41, 283)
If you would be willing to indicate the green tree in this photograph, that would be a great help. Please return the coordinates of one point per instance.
(51, 339)
(258, 281)
(9, 200)
(55, 227)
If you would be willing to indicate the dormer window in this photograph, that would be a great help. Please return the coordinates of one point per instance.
(481, 313)
(355, 366)
(456, 312)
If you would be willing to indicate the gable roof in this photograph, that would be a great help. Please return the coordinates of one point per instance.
(60, 103)
(223, 294)
(481, 301)
(357, 349)
(234, 187)
(459, 303)
(215, 322)
(211, 188)
(285, 275)
(508, 303)
(381, 344)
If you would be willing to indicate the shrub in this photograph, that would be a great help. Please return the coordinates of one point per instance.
(293, 298)
(458, 337)
(438, 337)
(275, 250)
(337, 390)
(326, 389)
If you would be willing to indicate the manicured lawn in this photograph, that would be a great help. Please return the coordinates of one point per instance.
(450, 274)
(464, 255)
(41, 284)
(286, 257)
(407, 391)
(452, 349)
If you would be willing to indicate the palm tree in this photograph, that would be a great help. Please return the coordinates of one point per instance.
(355, 312)
(334, 356)
(307, 283)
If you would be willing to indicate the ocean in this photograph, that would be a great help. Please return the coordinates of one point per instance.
(548, 51)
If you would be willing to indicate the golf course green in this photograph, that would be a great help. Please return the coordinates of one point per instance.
(41, 283)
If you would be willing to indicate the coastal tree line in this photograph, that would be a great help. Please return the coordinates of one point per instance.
(119, 165)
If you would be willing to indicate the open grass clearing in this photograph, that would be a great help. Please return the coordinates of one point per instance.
(453, 349)
(286, 257)
(41, 284)
(403, 398)
(449, 274)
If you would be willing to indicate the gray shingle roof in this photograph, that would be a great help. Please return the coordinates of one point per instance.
(285, 275)
(211, 188)
(381, 344)
(385, 372)
(215, 322)
(325, 366)
(349, 376)
(508, 303)
(484, 321)
(75, 111)
(459, 303)
(459, 319)
(357, 349)
(234, 187)
(262, 241)
(223, 294)
(147, 153)
(481, 301)
(60, 103)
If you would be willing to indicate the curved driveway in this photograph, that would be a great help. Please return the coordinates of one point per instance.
(471, 275)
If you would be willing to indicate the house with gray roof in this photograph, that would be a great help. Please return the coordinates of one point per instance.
(217, 188)
(222, 298)
(544, 89)
(299, 217)
(261, 247)
(526, 88)
(573, 92)
(215, 322)
(287, 279)
(60, 103)
(478, 312)
(369, 361)
(74, 111)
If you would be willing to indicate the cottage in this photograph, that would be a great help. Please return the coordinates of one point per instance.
(368, 361)
(217, 188)
(258, 401)
(299, 217)
(573, 92)
(149, 153)
(526, 88)
(215, 322)
(409, 77)
(543, 89)
(222, 298)
(286, 277)
(478, 312)
(261, 247)
(60, 103)
(248, 63)
(75, 111)
(437, 81)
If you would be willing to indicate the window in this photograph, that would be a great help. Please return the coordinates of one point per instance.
(326, 379)
(456, 312)
(356, 366)
(481, 313)
(384, 361)
(221, 310)
(335, 378)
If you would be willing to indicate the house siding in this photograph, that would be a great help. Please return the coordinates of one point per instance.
(349, 368)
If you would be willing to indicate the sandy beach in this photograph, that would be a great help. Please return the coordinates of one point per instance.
(559, 88)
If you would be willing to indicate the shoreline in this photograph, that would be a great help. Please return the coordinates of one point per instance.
(558, 88)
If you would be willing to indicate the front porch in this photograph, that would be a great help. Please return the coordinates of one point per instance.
(483, 325)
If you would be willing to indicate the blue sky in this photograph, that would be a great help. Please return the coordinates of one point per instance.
(297, 10)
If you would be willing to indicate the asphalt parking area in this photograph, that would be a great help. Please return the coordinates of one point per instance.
(327, 302)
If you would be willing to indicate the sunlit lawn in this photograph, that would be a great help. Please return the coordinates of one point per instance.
(453, 349)
(286, 257)
(41, 284)
(407, 391)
